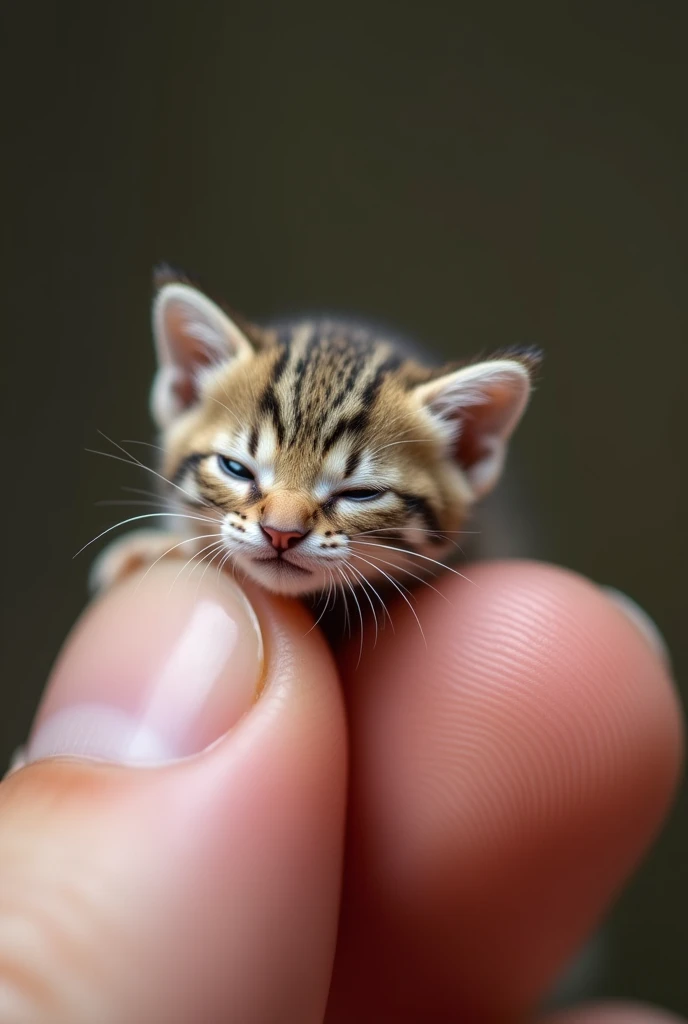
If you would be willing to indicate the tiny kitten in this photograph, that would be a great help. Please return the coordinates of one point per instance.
(315, 456)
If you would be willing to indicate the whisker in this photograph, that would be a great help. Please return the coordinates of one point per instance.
(132, 460)
(346, 608)
(249, 380)
(340, 570)
(417, 440)
(148, 444)
(400, 587)
(326, 597)
(441, 535)
(128, 501)
(190, 561)
(221, 566)
(140, 465)
(187, 540)
(171, 503)
(215, 551)
(363, 580)
(420, 579)
(373, 589)
(227, 409)
(134, 519)
(416, 554)
(417, 529)
(385, 609)
(406, 590)
(139, 490)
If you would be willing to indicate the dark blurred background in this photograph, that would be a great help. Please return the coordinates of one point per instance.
(475, 175)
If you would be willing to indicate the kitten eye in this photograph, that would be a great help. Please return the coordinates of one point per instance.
(233, 468)
(361, 494)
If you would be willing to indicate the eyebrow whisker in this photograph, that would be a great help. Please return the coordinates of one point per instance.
(131, 460)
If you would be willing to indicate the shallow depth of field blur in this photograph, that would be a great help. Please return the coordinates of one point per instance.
(474, 176)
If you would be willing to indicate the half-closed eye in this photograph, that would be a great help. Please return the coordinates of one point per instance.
(360, 494)
(233, 468)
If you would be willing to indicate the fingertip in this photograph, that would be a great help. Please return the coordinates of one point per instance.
(507, 778)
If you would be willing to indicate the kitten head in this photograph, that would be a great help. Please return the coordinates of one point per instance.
(323, 455)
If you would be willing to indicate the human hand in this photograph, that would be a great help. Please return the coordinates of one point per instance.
(503, 784)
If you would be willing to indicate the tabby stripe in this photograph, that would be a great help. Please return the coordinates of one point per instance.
(209, 500)
(415, 503)
(389, 365)
(300, 369)
(368, 397)
(351, 425)
(190, 462)
(269, 403)
(253, 441)
(280, 365)
(270, 406)
(352, 462)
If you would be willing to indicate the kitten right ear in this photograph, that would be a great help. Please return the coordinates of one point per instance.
(191, 334)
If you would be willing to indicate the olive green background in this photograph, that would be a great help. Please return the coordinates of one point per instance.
(475, 175)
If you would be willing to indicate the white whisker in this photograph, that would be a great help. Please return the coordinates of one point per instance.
(401, 588)
(227, 409)
(416, 554)
(191, 560)
(187, 540)
(215, 552)
(417, 529)
(346, 608)
(385, 610)
(139, 490)
(363, 580)
(225, 558)
(417, 440)
(134, 519)
(324, 599)
(128, 501)
(148, 444)
(340, 570)
(133, 461)
(401, 568)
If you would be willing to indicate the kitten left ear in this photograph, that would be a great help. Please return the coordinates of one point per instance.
(477, 409)
(191, 334)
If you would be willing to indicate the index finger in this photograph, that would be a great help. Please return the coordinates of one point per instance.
(505, 781)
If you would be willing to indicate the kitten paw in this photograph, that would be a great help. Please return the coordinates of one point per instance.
(136, 550)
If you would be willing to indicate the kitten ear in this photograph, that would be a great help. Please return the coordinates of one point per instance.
(477, 409)
(191, 334)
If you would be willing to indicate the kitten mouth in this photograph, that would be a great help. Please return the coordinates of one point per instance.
(283, 565)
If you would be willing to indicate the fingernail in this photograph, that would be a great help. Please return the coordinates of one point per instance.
(157, 670)
(641, 620)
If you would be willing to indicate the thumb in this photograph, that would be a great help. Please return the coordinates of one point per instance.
(182, 861)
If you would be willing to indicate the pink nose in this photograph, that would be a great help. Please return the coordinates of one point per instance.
(283, 539)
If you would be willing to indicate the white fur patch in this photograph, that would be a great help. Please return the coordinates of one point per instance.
(266, 454)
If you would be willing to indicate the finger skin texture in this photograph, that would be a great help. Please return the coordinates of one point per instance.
(206, 890)
(505, 782)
